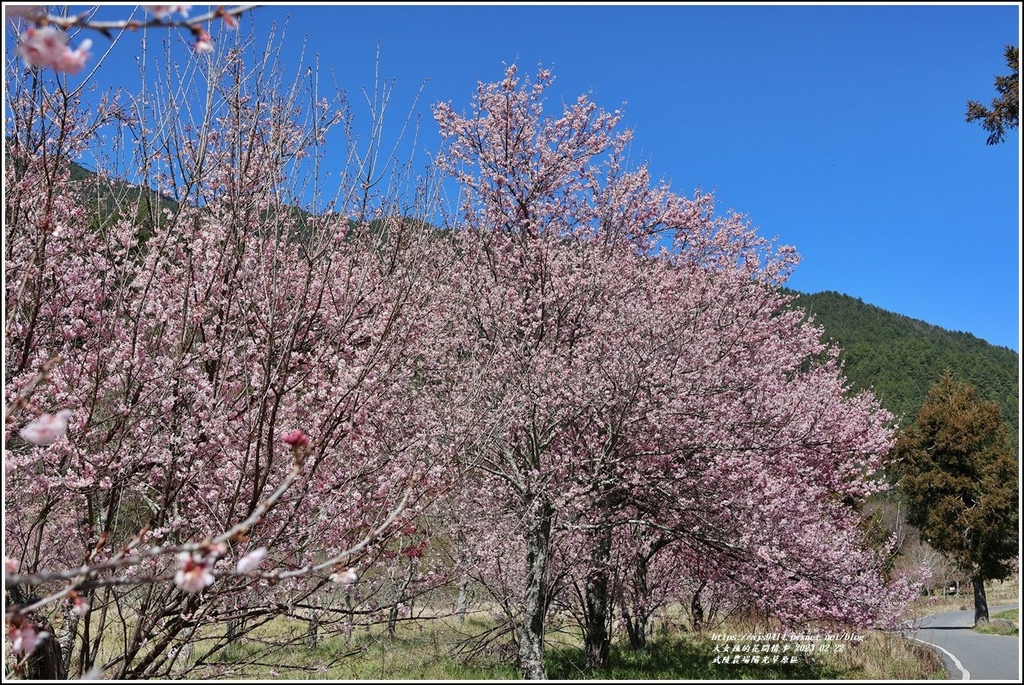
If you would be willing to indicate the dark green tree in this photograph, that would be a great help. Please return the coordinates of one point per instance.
(1004, 113)
(959, 476)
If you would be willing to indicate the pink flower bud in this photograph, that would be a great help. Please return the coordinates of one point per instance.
(46, 429)
(295, 438)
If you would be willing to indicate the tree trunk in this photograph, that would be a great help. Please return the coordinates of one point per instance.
(68, 630)
(980, 601)
(531, 633)
(697, 610)
(46, 662)
(638, 617)
(349, 618)
(392, 621)
(596, 640)
(312, 631)
(462, 602)
(636, 630)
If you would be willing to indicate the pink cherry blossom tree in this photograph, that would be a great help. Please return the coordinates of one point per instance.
(244, 431)
(610, 384)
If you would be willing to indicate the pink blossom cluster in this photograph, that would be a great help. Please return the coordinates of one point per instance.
(47, 47)
(47, 428)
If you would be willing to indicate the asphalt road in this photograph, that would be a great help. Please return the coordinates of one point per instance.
(969, 655)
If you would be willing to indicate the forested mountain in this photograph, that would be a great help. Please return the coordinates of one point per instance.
(900, 357)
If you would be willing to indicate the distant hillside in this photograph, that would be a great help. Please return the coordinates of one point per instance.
(900, 357)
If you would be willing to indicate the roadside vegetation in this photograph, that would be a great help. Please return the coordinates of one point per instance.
(1002, 623)
(443, 649)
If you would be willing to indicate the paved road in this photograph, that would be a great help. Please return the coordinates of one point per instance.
(969, 655)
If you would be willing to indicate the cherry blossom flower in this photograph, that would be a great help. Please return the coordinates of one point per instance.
(24, 637)
(193, 576)
(251, 560)
(46, 429)
(43, 47)
(346, 577)
(73, 61)
(11, 565)
(204, 42)
(48, 47)
(295, 438)
(80, 605)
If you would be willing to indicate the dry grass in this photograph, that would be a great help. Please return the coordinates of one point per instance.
(885, 656)
(997, 593)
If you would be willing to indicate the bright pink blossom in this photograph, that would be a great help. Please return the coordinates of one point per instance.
(81, 606)
(46, 429)
(194, 575)
(295, 438)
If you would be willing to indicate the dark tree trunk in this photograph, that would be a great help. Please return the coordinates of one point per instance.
(531, 633)
(980, 600)
(392, 620)
(636, 631)
(638, 616)
(697, 610)
(46, 662)
(596, 639)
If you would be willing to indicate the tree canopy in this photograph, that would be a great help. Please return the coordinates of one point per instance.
(959, 477)
(1004, 113)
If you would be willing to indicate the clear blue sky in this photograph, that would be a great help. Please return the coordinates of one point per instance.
(837, 128)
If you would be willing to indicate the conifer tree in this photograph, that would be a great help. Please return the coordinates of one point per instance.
(959, 475)
(1004, 113)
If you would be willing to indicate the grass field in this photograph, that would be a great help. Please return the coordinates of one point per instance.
(426, 651)
(442, 649)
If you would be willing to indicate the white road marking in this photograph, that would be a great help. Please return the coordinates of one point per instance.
(956, 662)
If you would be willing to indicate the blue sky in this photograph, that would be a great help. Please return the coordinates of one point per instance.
(837, 128)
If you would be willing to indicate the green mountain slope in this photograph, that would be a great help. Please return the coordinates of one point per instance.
(900, 357)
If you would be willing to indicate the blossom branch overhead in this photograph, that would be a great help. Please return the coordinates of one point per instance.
(45, 43)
